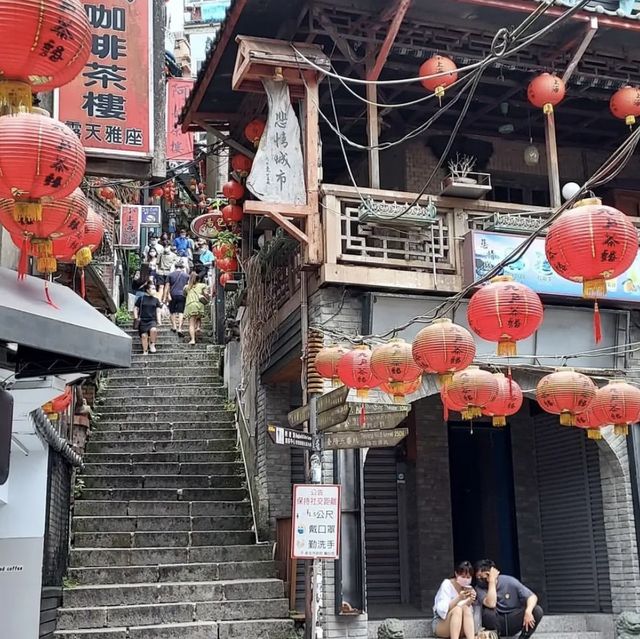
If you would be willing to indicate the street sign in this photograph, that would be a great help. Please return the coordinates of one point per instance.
(315, 524)
(289, 437)
(364, 439)
(376, 417)
(331, 400)
(333, 416)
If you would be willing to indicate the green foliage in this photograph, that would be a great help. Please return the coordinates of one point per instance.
(123, 316)
(78, 488)
(230, 406)
(68, 583)
(134, 262)
(224, 238)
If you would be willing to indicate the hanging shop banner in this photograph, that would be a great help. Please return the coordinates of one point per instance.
(130, 226)
(484, 249)
(207, 226)
(277, 174)
(316, 521)
(150, 215)
(179, 144)
(110, 105)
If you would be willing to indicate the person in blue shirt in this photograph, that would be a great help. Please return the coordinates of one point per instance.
(206, 256)
(182, 244)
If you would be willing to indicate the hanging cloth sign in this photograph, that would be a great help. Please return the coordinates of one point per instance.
(277, 174)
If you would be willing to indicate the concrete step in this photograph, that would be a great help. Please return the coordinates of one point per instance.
(154, 539)
(223, 428)
(164, 435)
(173, 572)
(127, 380)
(263, 629)
(170, 389)
(89, 508)
(176, 446)
(154, 557)
(160, 457)
(125, 594)
(165, 494)
(160, 523)
(151, 415)
(152, 404)
(175, 468)
(163, 481)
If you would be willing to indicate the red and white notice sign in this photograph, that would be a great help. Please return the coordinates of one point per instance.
(316, 521)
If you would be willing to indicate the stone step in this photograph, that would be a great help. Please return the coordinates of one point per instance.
(154, 539)
(88, 508)
(152, 415)
(170, 389)
(125, 594)
(175, 468)
(223, 428)
(262, 629)
(118, 482)
(164, 435)
(150, 573)
(153, 366)
(160, 523)
(125, 382)
(165, 494)
(256, 555)
(177, 612)
(176, 446)
(159, 457)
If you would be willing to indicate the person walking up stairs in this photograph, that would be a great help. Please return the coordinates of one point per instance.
(163, 546)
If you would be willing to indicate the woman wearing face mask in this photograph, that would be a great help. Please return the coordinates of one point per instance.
(453, 605)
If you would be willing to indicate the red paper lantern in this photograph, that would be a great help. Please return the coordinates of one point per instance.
(326, 362)
(438, 64)
(448, 404)
(222, 251)
(232, 213)
(587, 421)
(225, 278)
(591, 243)
(618, 403)
(40, 160)
(241, 164)
(254, 130)
(157, 192)
(393, 362)
(474, 389)
(227, 264)
(44, 43)
(625, 104)
(354, 371)
(507, 403)
(444, 348)
(400, 390)
(565, 393)
(546, 91)
(233, 191)
(107, 193)
(505, 311)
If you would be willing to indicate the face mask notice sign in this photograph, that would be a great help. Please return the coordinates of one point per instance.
(316, 521)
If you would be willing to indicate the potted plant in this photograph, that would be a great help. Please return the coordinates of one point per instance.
(463, 181)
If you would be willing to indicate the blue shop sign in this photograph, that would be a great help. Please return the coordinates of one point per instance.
(484, 249)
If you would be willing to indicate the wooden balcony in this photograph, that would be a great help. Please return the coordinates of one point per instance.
(425, 256)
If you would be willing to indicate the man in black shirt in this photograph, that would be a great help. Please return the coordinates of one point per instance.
(146, 314)
(177, 280)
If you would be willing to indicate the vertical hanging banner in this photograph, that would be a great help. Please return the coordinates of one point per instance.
(110, 104)
(179, 144)
(130, 226)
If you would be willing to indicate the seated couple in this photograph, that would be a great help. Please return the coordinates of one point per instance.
(498, 602)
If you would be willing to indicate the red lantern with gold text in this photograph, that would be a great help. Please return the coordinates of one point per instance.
(354, 371)
(227, 264)
(45, 45)
(588, 421)
(241, 164)
(444, 348)
(40, 160)
(232, 213)
(448, 404)
(444, 73)
(233, 191)
(507, 403)
(400, 390)
(474, 389)
(326, 362)
(254, 130)
(546, 91)
(393, 363)
(625, 104)
(617, 403)
(505, 311)
(565, 393)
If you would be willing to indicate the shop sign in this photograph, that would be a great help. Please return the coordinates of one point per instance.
(179, 144)
(315, 522)
(129, 226)
(364, 439)
(207, 226)
(150, 215)
(109, 106)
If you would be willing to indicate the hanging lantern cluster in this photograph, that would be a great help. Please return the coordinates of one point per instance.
(618, 403)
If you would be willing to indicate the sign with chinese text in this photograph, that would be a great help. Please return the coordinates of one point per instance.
(277, 174)
(315, 522)
(129, 226)
(207, 226)
(336, 397)
(365, 439)
(150, 215)
(109, 105)
(289, 437)
(484, 249)
(179, 144)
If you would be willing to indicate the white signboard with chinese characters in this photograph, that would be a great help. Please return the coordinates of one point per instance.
(316, 521)
(277, 174)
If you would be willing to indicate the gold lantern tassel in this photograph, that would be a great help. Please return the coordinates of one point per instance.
(445, 378)
(594, 288)
(15, 97)
(507, 348)
(630, 120)
(362, 393)
(499, 421)
(567, 419)
(471, 412)
(83, 257)
(335, 382)
(621, 429)
(26, 211)
(594, 433)
(45, 262)
(547, 109)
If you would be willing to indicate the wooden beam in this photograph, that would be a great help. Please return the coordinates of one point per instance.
(372, 130)
(553, 168)
(288, 226)
(257, 207)
(584, 45)
(228, 140)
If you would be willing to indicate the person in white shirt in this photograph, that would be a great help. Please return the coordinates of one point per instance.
(453, 605)
(153, 244)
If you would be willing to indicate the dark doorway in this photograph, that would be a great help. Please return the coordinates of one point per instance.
(482, 496)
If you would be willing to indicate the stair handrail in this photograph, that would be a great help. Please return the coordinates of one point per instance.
(242, 423)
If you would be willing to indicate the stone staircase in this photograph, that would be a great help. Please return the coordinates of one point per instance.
(163, 546)
(588, 626)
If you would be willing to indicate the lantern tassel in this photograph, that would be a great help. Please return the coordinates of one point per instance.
(363, 416)
(23, 263)
(594, 288)
(510, 380)
(27, 212)
(471, 412)
(597, 324)
(594, 434)
(445, 378)
(621, 429)
(499, 421)
(567, 419)
(83, 290)
(445, 412)
(507, 348)
(47, 294)
(15, 97)
(362, 393)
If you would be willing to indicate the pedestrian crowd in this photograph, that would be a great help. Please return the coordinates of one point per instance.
(174, 284)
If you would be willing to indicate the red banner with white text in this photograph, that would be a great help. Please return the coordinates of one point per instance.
(179, 144)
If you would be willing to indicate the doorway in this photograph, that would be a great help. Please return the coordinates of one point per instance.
(482, 495)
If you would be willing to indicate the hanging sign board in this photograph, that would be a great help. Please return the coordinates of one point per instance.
(365, 439)
(150, 215)
(376, 417)
(289, 437)
(129, 226)
(207, 226)
(179, 144)
(109, 105)
(315, 521)
(331, 400)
